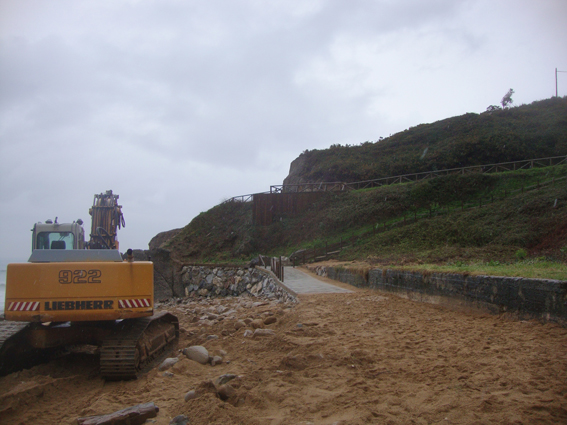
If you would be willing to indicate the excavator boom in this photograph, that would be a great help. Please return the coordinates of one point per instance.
(106, 219)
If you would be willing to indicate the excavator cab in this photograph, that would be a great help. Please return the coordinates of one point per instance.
(51, 235)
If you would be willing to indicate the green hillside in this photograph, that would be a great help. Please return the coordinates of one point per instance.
(524, 132)
(446, 220)
(472, 217)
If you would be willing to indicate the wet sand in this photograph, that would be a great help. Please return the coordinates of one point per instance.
(348, 358)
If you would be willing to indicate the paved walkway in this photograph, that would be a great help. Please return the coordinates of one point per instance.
(303, 283)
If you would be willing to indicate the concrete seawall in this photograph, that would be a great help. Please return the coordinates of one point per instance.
(541, 298)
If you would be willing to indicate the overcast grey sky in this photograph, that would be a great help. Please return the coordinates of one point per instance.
(176, 105)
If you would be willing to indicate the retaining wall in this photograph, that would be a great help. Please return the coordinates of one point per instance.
(173, 279)
(215, 281)
(542, 298)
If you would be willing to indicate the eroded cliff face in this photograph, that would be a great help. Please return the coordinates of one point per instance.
(297, 169)
(162, 238)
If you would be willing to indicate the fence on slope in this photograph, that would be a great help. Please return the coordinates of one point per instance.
(384, 181)
(326, 250)
(406, 178)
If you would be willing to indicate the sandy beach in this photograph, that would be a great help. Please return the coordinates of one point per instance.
(355, 358)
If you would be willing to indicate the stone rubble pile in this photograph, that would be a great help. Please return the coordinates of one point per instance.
(234, 314)
(208, 322)
(208, 281)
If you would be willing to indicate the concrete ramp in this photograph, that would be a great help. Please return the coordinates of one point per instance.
(303, 283)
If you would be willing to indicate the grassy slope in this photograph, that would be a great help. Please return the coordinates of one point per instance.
(463, 238)
(494, 232)
(533, 221)
(528, 131)
(219, 235)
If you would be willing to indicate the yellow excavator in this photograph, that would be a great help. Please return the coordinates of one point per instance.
(75, 293)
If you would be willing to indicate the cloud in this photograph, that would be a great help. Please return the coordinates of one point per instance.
(177, 105)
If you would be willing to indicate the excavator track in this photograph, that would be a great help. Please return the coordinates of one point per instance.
(15, 354)
(8, 329)
(135, 344)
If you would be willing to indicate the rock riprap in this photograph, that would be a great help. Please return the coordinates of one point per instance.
(207, 281)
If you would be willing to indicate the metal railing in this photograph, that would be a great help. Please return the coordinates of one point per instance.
(310, 187)
(405, 178)
(275, 264)
(243, 198)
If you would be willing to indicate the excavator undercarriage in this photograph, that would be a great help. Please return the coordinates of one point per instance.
(126, 347)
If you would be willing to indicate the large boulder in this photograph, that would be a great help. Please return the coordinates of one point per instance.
(197, 353)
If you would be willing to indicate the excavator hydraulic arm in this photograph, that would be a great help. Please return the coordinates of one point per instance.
(106, 219)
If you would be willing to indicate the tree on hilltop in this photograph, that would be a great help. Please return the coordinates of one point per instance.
(507, 99)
